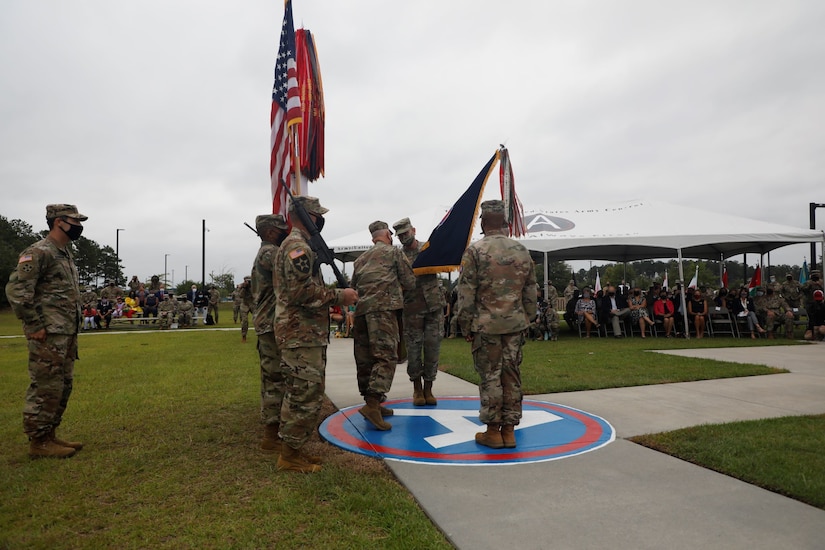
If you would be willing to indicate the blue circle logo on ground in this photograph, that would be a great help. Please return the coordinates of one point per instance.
(445, 433)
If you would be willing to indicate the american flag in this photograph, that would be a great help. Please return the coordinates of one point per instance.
(286, 112)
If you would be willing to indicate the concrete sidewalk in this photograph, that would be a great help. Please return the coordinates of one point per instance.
(622, 495)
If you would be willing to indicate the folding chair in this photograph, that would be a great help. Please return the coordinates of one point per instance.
(720, 322)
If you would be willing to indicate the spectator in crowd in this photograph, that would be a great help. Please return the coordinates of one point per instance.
(615, 310)
(792, 291)
(664, 310)
(150, 309)
(134, 283)
(237, 299)
(349, 319)
(166, 312)
(185, 309)
(89, 314)
(569, 290)
(744, 308)
(200, 303)
(698, 311)
(638, 310)
(586, 312)
(104, 310)
(774, 309)
(816, 317)
(89, 298)
(336, 316)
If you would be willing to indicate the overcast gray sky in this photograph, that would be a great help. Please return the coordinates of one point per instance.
(154, 115)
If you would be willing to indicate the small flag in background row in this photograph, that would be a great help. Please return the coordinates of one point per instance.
(756, 280)
(286, 112)
(803, 273)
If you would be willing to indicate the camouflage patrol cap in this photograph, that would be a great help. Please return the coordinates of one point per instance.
(267, 221)
(64, 210)
(311, 204)
(816, 271)
(402, 226)
(378, 226)
(492, 207)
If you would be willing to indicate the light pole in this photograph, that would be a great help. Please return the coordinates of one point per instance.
(812, 209)
(164, 272)
(117, 255)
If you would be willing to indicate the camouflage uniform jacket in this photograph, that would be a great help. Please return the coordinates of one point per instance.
(497, 289)
(792, 292)
(552, 296)
(808, 289)
(214, 296)
(263, 288)
(302, 313)
(774, 303)
(427, 295)
(379, 275)
(43, 289)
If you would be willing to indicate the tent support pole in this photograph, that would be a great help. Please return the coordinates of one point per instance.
(721, 267)
(546, 283)
(682, 292)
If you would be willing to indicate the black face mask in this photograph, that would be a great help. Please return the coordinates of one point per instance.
(611, 294)
(815, 278)
(319, 223)
(637, 293)
(73, 232)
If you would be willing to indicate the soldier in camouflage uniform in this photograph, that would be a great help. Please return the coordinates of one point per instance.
(214, 300)
(423, 321)
(302, 331)
(247, 305)
(496, 303)
(111, 292)
(552, 294)
(185, 311)
(811, 285)
(166, 312)
(774, 309)
(44, 293)
(237, 299)
(379, 275)
(89, 298)
(272, 229)
(792, 291)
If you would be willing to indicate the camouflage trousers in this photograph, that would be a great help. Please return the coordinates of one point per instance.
(422, 334)
(375, 345)
(305, 372)
(236, 310)
(244, 320)
(497, 360)
(165, 319)
(778, 317)
(273, 379)
(51, 370)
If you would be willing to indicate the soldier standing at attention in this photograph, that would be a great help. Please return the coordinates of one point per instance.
(247, 305)
(236, 303)
(496, 303)
(214, 300)
(302, 331)
(423, 321)
(379, 276)
(44, 293)
(272, 229)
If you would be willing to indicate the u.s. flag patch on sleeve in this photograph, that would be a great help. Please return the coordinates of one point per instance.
(25, 258)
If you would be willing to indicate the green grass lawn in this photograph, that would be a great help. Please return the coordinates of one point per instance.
(575, 364)
(171, 426)
(170, 420)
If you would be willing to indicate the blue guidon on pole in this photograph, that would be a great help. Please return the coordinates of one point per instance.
(445, 433)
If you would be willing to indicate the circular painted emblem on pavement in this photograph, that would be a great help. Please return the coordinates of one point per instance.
(445, 433)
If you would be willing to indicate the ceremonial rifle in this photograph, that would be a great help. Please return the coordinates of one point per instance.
(316, 241)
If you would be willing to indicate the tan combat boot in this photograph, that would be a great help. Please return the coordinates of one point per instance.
(371, 412)
(508, 436)
(491, 438)
(292, 460)
(385, 411)
(429, 398)
(418, 393)
(76, 445)
(44, 447)
(271, 443)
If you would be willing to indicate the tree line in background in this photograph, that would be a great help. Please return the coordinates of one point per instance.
(95, 264)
